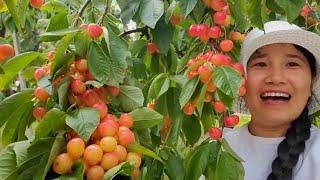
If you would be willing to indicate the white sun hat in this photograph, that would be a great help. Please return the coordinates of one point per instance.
(282, 32)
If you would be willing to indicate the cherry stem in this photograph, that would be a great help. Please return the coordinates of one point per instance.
(81, 11)
(143, 30)
(104, 14)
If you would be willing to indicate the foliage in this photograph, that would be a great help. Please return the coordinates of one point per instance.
(146, 56)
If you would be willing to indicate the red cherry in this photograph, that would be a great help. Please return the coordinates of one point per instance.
(38, 73)
(39, 112)
(214, 133)
(214, 32)
(202, 29)
(205, 73)
(242, 91)
(217, 5)
(94, 30)
(188, 109)
(217, 59)
(305, 11)
(231, 121)
(114, 91)
(41, 94)
(77, 86)
(193, 32)
(226, 45)
(218, 107)
(50, 55)
(238, 67)
(152, 48)
(84, 26)
(219, 17)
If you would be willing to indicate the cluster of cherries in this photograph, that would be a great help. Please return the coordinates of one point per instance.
(211, 59)
(80, 94)
(105, 149)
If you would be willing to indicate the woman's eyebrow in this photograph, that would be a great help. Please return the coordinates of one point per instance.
(296, 56)
(257, 54)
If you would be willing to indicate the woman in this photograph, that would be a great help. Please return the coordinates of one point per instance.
(281, 64)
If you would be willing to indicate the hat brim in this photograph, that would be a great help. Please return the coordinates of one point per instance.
(305, 39)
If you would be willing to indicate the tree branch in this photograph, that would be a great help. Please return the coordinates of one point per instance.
(104, 14)
(143, 30)
(16, 45)
(81, 11)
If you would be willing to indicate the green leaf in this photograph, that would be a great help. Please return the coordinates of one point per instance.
(170, 10)
(56, 35)
(196, 162)
(174, 167)
(20, 150)
(63, 92)
(228, 80)
(129, 10)
(57, 147)
(228, 149)
(145, 118)
(225, 99)
(176, 116)
(187, 90)
(83, 121)
(186, 6)
(238, 13)
(200, 101)
(118, 48)
(151, 11)
(158, 86)
(60, 58)
(58, 22)
(11, 104)
(136, 46)
(10, 132)
(77, 174)
(130, 97)
(274, 7)
(95, 84)
(228, 168)
(140, 149)
(122, 169)
(55, 6)
(292, 8)
(192, 129)
(162, 35)
(81, 43)
(22, 12)
(53, 121)
(98, 62)
(14, 12)
(254, 13)
(12, 67)
(8, 161)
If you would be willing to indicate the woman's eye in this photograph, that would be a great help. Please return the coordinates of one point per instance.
(260, 64)
(291, 64)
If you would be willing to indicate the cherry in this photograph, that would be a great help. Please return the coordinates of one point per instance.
(219, 17)
(231, 121)
(188, 108)
(152, 48)
(192, 31)
(81, 65)
(94, 30)
(38, 73)
(238, 67)
(41, 94)
(77, 86)
(242, 91)
(217, 5)
(218, 107)
(214, 32)
(6, 51)
(36, 3)
(39, 112)
(214, 133)
(226, 45)
(205, 73)
(305, 11)
(50, 55)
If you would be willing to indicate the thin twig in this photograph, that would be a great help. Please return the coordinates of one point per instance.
(104, 14)
(142, 30)
(16, 45)
(81, 11)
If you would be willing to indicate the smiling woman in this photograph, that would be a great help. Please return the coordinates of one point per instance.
(281, 65)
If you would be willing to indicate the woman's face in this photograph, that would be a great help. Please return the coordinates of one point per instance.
(278, 85)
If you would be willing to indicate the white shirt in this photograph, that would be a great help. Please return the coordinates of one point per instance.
(258, 154)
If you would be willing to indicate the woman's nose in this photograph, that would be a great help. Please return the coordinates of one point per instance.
(275, 75)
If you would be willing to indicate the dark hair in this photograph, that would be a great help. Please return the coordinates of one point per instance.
(293, 145)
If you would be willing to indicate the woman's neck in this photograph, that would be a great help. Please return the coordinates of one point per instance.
(263, 130)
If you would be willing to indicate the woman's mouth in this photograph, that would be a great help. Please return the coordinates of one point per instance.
(275, 98)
